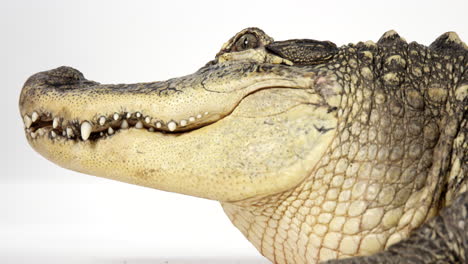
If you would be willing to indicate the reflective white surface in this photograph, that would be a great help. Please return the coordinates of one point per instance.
(106, 221)
(52, 215)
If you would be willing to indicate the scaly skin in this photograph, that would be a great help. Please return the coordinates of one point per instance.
(442, 240)
(315, 152)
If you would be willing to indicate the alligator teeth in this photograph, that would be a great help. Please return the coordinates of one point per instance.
(86, 129)
(124, 124)
(34, 116)
(66, 128)
(102, 120)
(41, 132)
(69, 132)
(172, 126)
(139, 124)
(27, 121)
(55, 123)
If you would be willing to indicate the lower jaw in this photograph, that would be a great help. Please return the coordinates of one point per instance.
(213, 162)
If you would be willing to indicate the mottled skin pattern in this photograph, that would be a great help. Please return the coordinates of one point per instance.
(389, 167)
(390, 182)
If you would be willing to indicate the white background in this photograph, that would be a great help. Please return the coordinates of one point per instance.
(52, 215)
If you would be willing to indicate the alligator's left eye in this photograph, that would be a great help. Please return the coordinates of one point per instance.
(246, 41)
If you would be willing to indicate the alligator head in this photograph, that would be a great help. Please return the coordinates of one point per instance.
(249, 123)
(316, 152)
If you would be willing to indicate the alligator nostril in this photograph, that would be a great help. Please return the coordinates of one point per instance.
(57, 77)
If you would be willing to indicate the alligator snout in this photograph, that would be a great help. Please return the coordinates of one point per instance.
(63, 103)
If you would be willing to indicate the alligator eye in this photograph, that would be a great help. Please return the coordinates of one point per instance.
(246, 41)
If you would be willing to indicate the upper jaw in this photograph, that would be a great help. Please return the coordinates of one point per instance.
(61, 102)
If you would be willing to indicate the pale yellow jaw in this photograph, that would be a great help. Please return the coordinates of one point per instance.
(242, 156)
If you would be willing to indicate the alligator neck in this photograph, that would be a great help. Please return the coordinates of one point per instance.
(330, 217)
(377, 182)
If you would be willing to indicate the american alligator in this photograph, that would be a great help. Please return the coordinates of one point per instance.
(316, 152)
